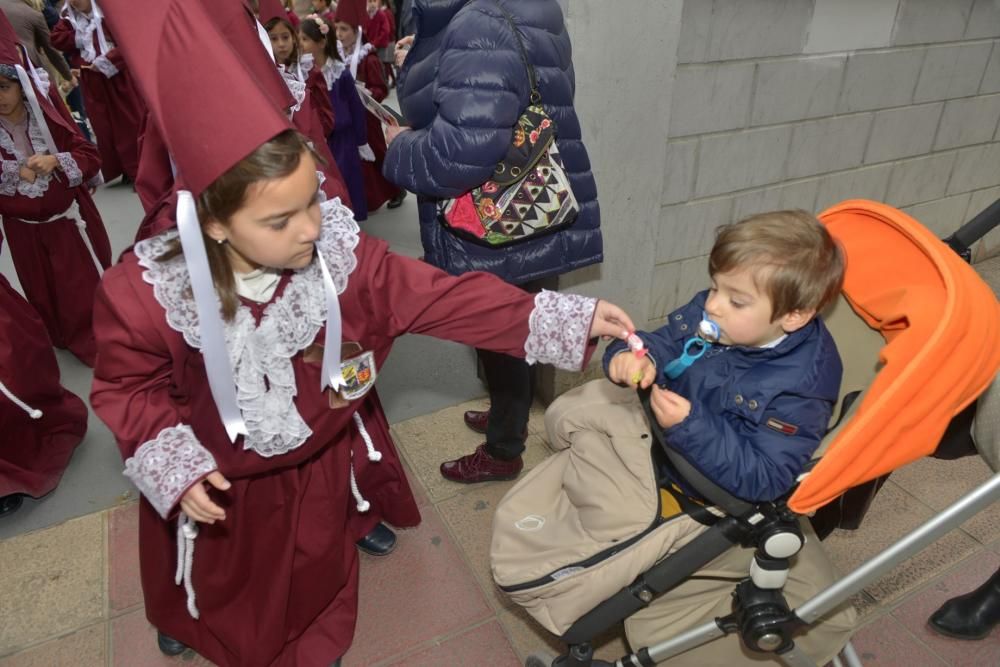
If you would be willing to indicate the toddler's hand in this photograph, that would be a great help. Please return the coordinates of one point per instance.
(669, 408)
(196, 503)
(628, 369)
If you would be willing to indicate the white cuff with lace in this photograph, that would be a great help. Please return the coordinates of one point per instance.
(105, 66)
(559, 329)
(164, 468)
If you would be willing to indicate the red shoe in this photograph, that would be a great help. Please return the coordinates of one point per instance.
(477, 420)
(481, 467)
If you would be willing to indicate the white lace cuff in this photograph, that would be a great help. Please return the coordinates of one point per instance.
(164, 468)
(559, 328)
(9, 177)
(105, 66)
(366, 153)
(69, 167)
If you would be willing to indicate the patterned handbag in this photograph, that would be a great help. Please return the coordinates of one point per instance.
(529, 193)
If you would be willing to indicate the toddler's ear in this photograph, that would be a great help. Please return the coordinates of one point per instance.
(796, 319)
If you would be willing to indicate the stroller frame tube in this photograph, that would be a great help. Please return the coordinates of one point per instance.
(976, 500)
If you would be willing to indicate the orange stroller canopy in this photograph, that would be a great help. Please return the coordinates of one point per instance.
(941, 325)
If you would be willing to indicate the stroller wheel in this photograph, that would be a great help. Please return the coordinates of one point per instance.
(542, 659)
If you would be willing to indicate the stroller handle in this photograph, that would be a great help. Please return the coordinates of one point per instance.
(961, 241)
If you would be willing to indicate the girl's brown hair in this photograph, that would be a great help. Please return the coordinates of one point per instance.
(276, 158)
(310, 27)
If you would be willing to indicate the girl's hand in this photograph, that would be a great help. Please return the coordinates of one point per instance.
(610, 321)
(393, 131)
(628, 369)
(27, 174)
(669, 408)
(402, 48)
(197, 504)
(43, 165)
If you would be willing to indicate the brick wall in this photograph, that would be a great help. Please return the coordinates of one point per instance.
(804, 103)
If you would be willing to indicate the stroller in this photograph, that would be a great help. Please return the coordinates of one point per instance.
(918, 332)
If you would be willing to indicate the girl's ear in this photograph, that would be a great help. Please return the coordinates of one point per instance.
(215, 231)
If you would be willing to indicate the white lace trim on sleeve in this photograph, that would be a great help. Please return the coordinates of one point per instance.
(164, 468)
(105, 66)
(9, 177)
(559, 328)
(69, 167)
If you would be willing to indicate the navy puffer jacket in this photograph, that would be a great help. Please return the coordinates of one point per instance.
(462, 88)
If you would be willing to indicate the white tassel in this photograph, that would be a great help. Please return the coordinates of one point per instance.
(34, 413)
(363, 505)
(81, 225)
(187, 531)
(373, 454)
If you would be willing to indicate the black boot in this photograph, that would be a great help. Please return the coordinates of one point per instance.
(970, 616)
(169, 645)
(10, 504)
(397, 201)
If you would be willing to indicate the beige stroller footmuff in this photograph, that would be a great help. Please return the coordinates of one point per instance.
(590, 519)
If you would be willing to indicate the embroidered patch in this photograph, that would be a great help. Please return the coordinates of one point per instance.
(782, 427)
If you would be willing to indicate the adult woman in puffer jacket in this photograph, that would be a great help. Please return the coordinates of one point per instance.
(462, 88)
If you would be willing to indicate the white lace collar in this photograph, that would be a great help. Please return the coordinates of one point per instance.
(365, 50)
(84, 27)
(261, 355)
(331, 69)
(41, 184)
(296, 86)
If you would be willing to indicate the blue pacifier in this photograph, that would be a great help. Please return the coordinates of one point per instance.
(694, 348)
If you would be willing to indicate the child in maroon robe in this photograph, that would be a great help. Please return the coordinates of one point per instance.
(42, 423)
(115, 110)
(56, 236)
(217, 340)
(361, 57)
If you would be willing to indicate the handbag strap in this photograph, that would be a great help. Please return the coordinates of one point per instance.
(536, 96)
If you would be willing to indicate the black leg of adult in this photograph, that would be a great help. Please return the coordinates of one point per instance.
(509, 382)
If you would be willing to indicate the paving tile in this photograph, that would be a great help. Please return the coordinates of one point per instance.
(486, 645)
(913, 614)
(894, 513)
(124, 586)
(886, 643)
(865, 605)
(429, 440)
(133, 643)
(53, 582)
(419, 492)
(940, 483)
(470, 517)
(421, 592)
(84, 647)
(528, 637)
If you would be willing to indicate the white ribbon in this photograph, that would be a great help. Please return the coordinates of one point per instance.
(356, 56)
(213, 339)
(34, 413)
(331, 375)
(102, 41)
(36, 74)
(36, 109)
(265, 39)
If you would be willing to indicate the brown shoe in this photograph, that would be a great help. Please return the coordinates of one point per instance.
(481, 467)
(477, 420)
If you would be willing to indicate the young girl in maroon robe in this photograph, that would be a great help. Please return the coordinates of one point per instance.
(360, 56)
(57, 240)
(348, 141)
(238, 357)
(115, 110)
